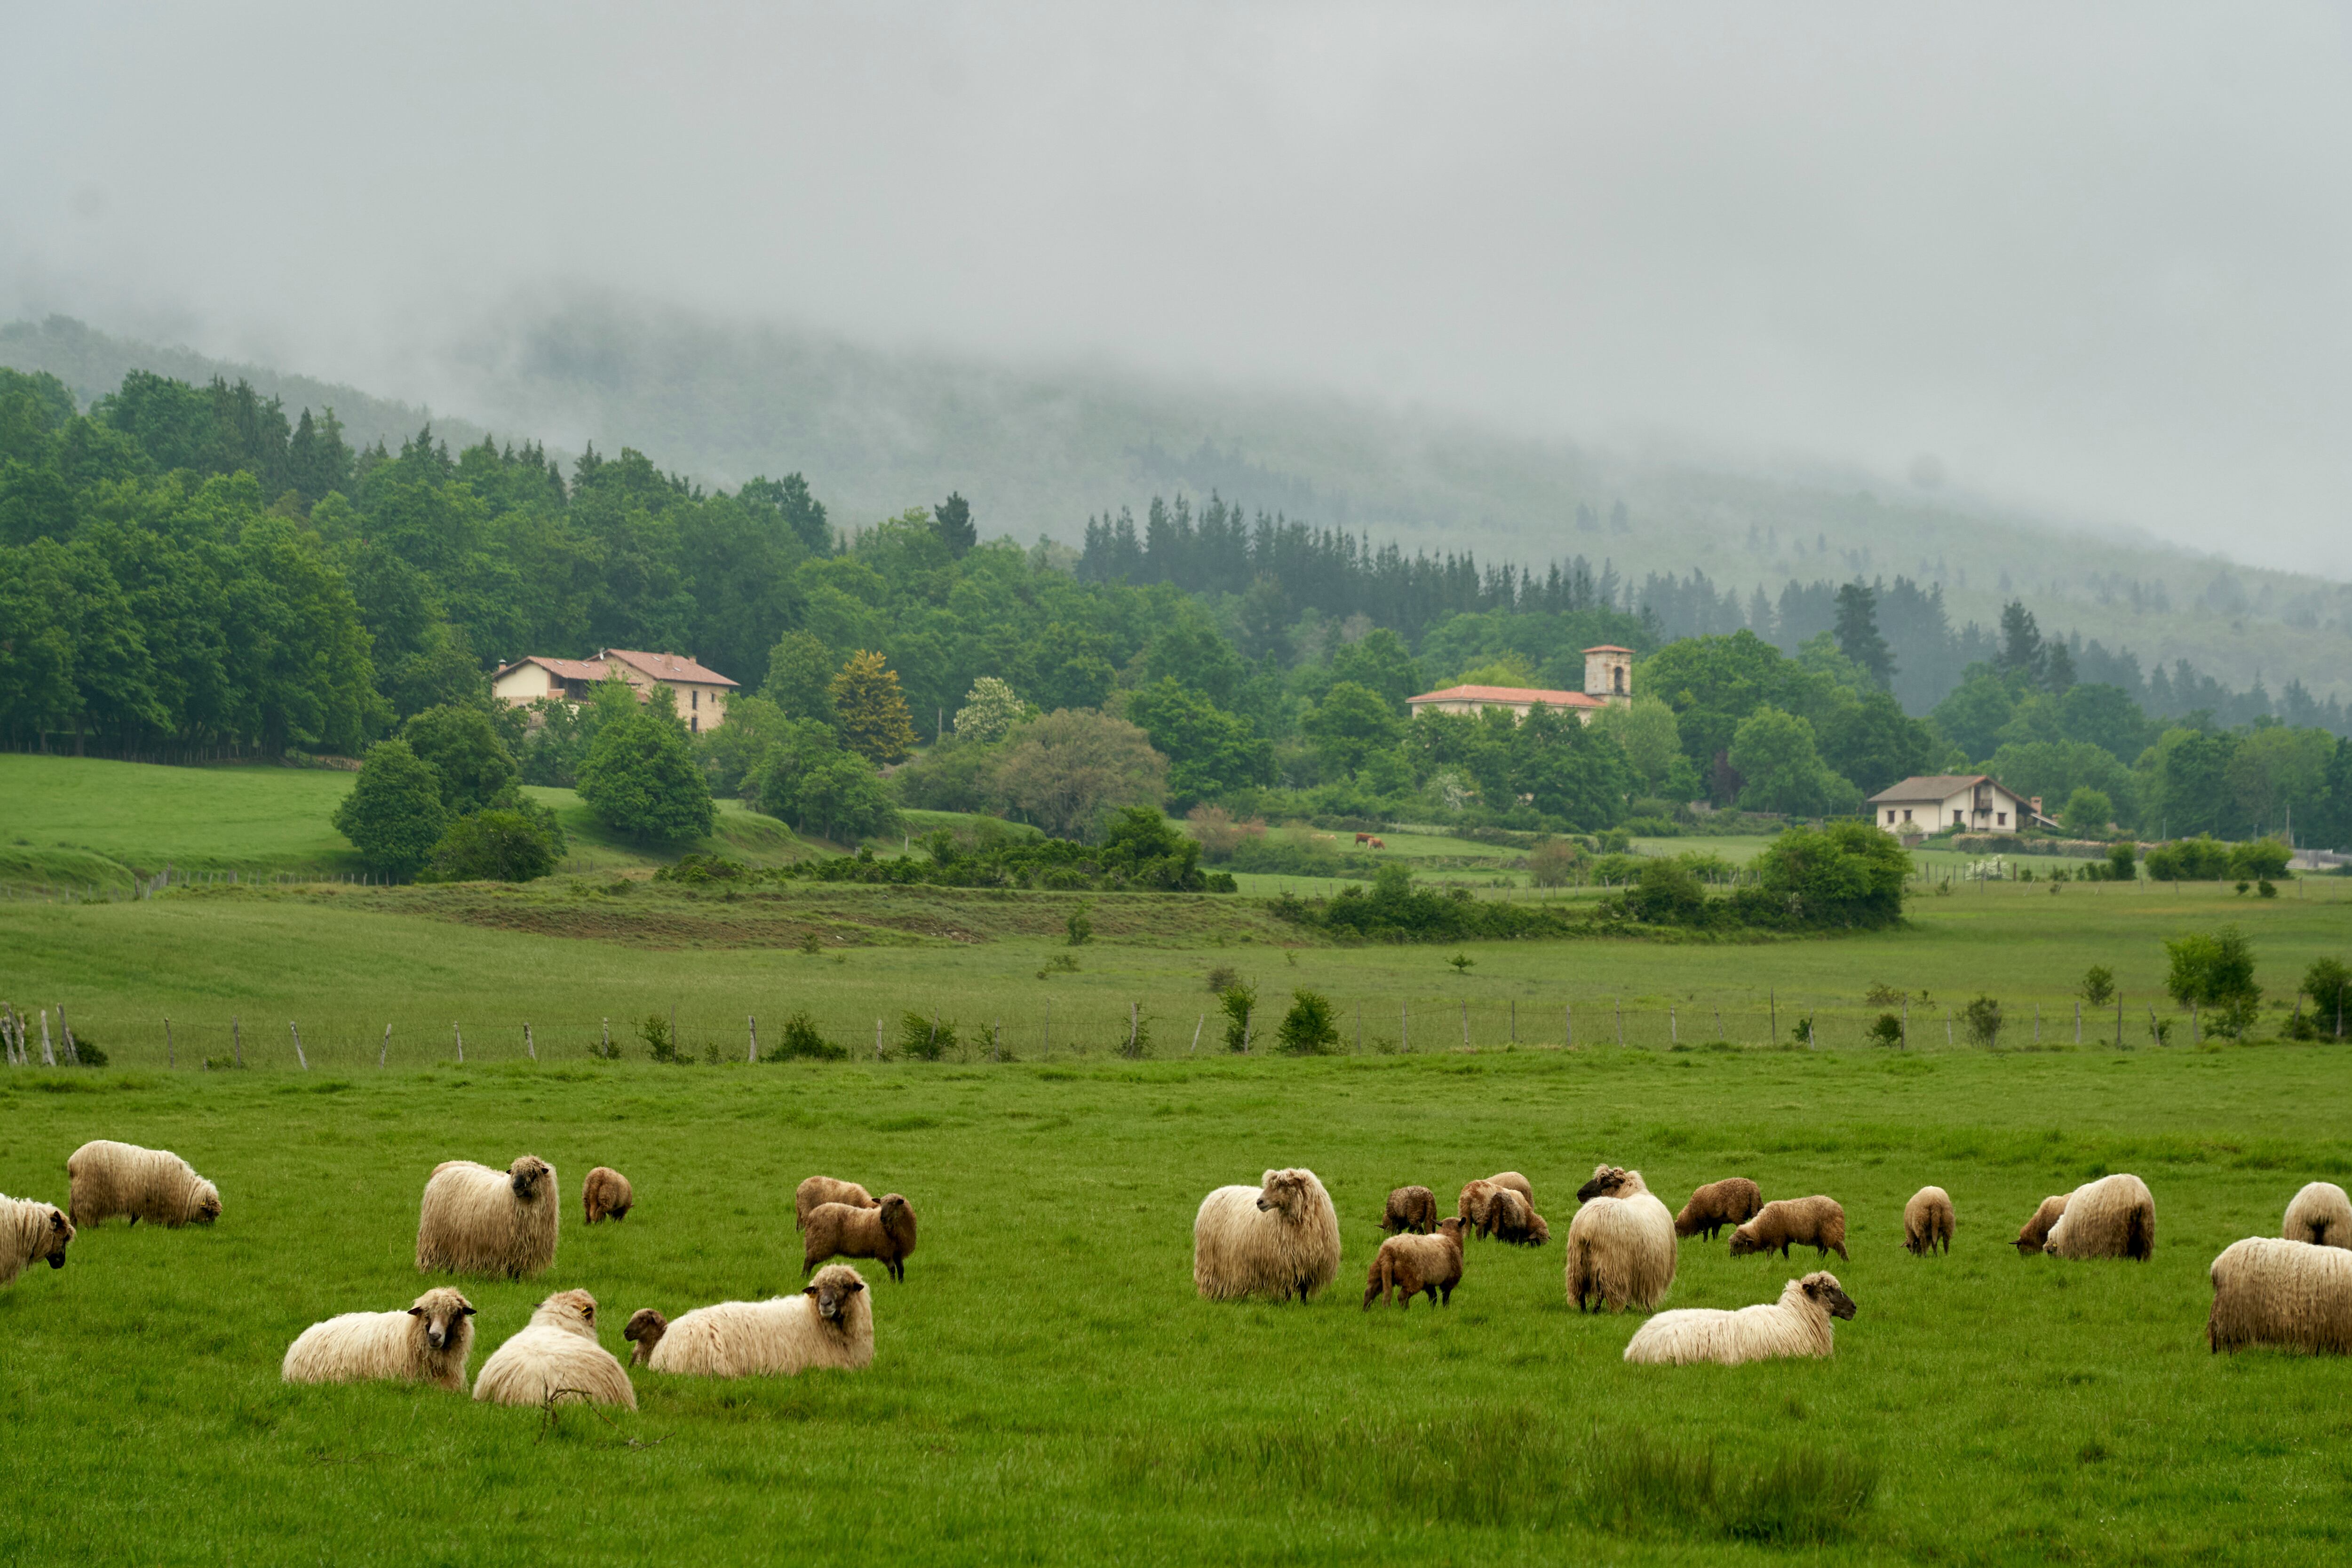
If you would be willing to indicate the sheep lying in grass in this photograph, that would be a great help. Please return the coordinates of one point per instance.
(2034, 1234)
(2285, 1293)
(1816, 1222)
(1621, 1244)
(1279, 1238)
(31, 1231)
(428, 1343)
(1798, 1324)
(885, 1233)
(1513, 1219)
(2320, 1215)
(109, 1178)
(1411, 1209)
(829, 1324)
(825, 1190)
(556, 1357)
(475, 1220)
(1406, 1265)
(1731, 1200)
(1928, 1221)
(2114, 1216)
(605, 1194)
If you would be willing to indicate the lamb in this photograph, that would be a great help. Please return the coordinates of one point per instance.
(1928, 1221)
(1279, 1238)
(1731, 1200)
(828, 1324)
(428, 1343)
(475, 1220)
(2291, 1294)
(1406, 1265)
(109, 1178)
(885, 1233)
(1621, 1244)
(1798, 1324)
(1513, 1219)
(1476, 1201)
(2035, 1233)
(556, 1356)
(605, 1194)
(1409, 1209)
(2320, 1215)
(30, 1231)
(825, 1190)
(1816, 1222)
(2111, 1217)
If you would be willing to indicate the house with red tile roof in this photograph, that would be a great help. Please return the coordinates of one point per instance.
(699, 694)
(1608, 683)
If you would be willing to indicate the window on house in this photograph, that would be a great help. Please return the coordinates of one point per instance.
(694, 698)
(2001, 817)
(1890, 818)
(1907, 813)
(695, 724)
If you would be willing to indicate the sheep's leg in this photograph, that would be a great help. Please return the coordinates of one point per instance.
(1447, 1299)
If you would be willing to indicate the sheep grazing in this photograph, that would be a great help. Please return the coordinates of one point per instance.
(109, 1178)
(31, 1231)
(1928, 1221)
(825, 1190)
(556, 1357)
(1621, 1244)
(605, 1194)
(1731, 1200)
(1798, 1324)
(1409, 1209)
(1513, 1219)
(1410, 1265)
(2320, 1215)
(2111, 1217)
(2035, 1233)
(2290, 1294)
(1816, 1222)
(1476, 1201)
(1280, 1238)
(885, 1233)
(428, 1343)
(829, 1324)
(475, 1220)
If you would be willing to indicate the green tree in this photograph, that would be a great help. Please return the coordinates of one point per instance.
(1844, 874)
(2021, 652)
(2215, 973)
(843, 797)
(641, 779)
(957, 530)
(1646, 731)
(491, 846)
(464, 748)
(1209, 750)
(2089, 813)
(393, 815)
(800, 677)
(868, 710)
(990, 711)
(2184, 783)
(1237, 1001)
(1781, 770)
(789, 502)
(1857, 632)
(1568, 772)
(1381, 662)
(1871, 742)
(1064, 770)
(1350, 722)
(2329, 983)
(1309, 1028)
(1971, 715)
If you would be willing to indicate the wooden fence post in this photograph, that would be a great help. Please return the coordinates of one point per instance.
(170, 1057)
(73, 1057)
(1195, 1049)
(236, 1039)
(296, 1030)
(877, 1039)
(2078, 1023)
(1772, 1000)
(1673, 1028)
(49, 1056)
(381, 1050)
(1465, 1025)
(530, 1047)
(1621, 1018)
(996, 1041)
(752, 1051)
(1404, 1028)
(461, 1042)
(1514, 1020)
(1049, 1027)
(1568, 1024)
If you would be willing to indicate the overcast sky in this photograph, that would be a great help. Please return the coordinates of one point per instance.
(2096, 261)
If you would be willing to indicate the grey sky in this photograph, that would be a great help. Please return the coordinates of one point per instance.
(2098, 260)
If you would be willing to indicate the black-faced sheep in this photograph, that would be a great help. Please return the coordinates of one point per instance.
(1411, 1209)
(1511, 1218)
(1621, 1244)
(1407, 1265)
(2320, 1215)
(475, 1220)
(605, 1194)
(2034, 1234)
(885, 1233)
(1731, 1200)
(31, 1232)
(1816, 1222)
(2285, 1293)
(2114, 1216)
(829, 1324)
(429, 1343)
(1279, 1238)
(825, 1190)
(556, 1357)
(109, 1178)
(1928, 1221)
(1798, 1324)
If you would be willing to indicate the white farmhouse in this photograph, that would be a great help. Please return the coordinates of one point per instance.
(1974, 803)
(699, 695)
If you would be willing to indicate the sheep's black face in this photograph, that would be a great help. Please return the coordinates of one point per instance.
(209, 1209)
(1742, 1244)
(527, 1176)
(1604, 1184)
(833, 1297)
(1825, 1290)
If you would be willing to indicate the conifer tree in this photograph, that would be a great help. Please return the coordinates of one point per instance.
(869, 711)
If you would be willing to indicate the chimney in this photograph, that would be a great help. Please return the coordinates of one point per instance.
(2036, 804)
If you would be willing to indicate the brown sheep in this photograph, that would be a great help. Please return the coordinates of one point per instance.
(1410, 1265)
(1409, 1209)
(1816, 1222)
(1515, 1220)
(1928, 1221)
(2034, 1234)
(605, 1194)
(885, 1233)
(1732, 1201)
(825, 1190)
(1478, 1199)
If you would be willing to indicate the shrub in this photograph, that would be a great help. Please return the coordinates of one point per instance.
(1220, 834)
(2259, 860)
(1238, 1002)
(1134, 1042)
(641, 778)
(1309, 1029)
(1888, 1030)
(87, 1054)
(2329, 983)
(656, 1033)
(393, 815)
(925, 1039)
(491, 846)
(2098, 985)
(1982, 1020)
(2199, 860)
(1553, 865)
(802, 1041)
(1222, 978)
(2216, 974)
(1802, 1031)
(1081, 928)
(1462, 963)
(2121, 864)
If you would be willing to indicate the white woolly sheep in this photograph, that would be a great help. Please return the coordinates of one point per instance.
(885, 1233)
(1280, 1238)
(2034, 1234)
(1409, 1209)
(829, 1324)
(475, 1220)
(430, 1342)
(825, 1190)
(2285, 1293)
(605, 1194)
(1406, 1265)
(1798, 1324)
(1817, 1222)
(1513, 1219)
(556, 1357)
(1621, 1244)
(31, 1231)
(2320, 1215)
(1732, 1201)
(2111, 1217)
(109, 1178)
(1928, 1221)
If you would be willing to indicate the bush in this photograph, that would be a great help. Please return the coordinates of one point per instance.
(1888, 1030)
(2098, 985)
(925, 1039)
(1309, 1029)
(802, 1042)
(641, 778)
(2329, 983)
(1238, 1002)
(1081, 928)
(656, 1033)
(2199, 860)
(1982, 1020)
(491, 846)
(87, 1054)
(1222, 978)
(393, 815)
(1219, 834)
(2216, 974)
(1847, 874)
(2259, 860)
(1553, 865)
